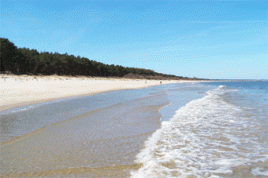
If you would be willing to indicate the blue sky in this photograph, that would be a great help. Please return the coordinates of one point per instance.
(205, 39)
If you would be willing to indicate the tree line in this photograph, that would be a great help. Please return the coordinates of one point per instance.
(29, 61)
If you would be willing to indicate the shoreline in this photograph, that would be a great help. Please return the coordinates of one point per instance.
(23, 90)
(101, 141)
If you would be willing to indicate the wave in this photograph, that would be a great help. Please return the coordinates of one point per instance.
(205, 138)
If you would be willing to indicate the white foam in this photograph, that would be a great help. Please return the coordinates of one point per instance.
(203, 139)
(259, 172)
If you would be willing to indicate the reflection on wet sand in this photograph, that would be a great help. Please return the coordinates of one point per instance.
(112, 171)
(99, 143)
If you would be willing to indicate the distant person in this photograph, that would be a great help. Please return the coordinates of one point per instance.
(160, 82)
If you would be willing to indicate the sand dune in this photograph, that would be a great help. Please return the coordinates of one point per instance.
(24, 90)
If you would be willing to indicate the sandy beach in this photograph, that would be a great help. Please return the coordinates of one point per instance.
(23, 90)
(89, 136)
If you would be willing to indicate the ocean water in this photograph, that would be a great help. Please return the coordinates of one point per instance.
(212, 129)
(222, 134)
(89, 136)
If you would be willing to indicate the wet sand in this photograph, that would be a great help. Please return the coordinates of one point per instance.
(23, 90)
(86, 136)
(102, 142)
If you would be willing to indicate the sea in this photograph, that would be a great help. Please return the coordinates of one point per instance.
(222, 134)
(194, 129)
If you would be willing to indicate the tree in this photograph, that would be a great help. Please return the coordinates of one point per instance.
(24, 60)
(11, 58)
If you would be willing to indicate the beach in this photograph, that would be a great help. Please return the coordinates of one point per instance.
(190, 129)
(23, 90)
(74, 127)
(133, 89)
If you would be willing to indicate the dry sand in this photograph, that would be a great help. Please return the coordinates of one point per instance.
(22, 90)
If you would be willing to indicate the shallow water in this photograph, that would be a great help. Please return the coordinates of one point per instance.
(84, 136)
(223, 134)
(180, 130)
